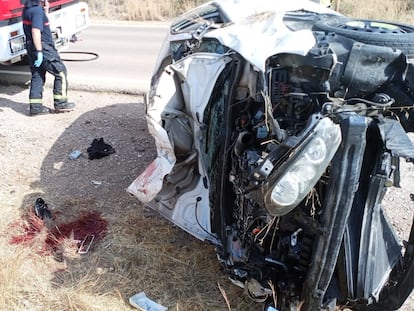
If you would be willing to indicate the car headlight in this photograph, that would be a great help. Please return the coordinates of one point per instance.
(303, 171)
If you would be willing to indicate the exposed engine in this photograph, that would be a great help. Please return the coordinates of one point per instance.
(266, 131)
(281, 247)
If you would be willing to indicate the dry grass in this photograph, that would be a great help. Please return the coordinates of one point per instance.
(391, 10)
(145, 254)
(140, 253)
(161, 10)
(141, 10)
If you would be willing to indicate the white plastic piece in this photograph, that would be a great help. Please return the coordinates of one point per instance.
(143, 303)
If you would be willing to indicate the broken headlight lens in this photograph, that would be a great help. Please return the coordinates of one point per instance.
(305, 169)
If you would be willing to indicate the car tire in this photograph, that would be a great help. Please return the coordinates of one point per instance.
(398, 36)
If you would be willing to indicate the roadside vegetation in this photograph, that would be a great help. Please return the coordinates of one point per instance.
(140, 10)
(390, 10)
(164, 10)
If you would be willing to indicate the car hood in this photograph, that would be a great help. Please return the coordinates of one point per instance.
(258, 30)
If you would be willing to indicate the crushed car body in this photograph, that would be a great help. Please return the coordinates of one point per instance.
(279, 127)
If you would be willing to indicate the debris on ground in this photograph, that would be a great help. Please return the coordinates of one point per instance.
(99, 149)
(41, 209)
(75, 154)
(143, 303)
(86, 244)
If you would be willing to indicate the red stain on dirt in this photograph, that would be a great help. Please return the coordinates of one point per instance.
(27, 231)
(90, 223)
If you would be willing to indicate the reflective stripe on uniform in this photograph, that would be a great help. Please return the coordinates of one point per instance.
(35, 101)
(59, 97)
(64, 85)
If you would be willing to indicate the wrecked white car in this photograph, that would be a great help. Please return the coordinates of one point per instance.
(279, 127)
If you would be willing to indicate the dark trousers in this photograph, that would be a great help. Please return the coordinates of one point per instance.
(52, 64)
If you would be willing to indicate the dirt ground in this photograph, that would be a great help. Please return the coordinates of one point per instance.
(140, 251)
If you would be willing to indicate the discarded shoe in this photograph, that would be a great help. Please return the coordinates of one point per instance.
(99, 149)
(65, 106)
(41, 209)
(38, 109)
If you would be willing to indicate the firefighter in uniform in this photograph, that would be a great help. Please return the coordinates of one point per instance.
(43, 57)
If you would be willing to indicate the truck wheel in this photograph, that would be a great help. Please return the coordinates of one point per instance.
(382, 33)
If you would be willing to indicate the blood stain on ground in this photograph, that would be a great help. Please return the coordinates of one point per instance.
(90, 223)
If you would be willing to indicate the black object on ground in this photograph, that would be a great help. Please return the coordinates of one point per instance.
(99, 149)
(41, 209)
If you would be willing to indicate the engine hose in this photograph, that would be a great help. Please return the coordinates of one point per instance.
(92, 56)
(245, 140)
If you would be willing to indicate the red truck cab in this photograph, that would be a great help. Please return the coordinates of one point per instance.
(10, 9)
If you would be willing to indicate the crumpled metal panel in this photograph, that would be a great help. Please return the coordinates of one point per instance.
(396, 139)
(186, 202)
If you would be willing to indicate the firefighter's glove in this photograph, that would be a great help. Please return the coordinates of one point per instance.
(38, 62)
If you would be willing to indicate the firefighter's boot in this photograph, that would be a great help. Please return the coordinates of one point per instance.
(64, 106)
(38, 109)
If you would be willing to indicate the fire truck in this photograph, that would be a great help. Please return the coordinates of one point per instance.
(67, 18)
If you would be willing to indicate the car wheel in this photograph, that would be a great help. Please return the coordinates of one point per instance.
(382, 33)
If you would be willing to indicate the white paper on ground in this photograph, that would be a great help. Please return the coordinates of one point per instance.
(143, 303)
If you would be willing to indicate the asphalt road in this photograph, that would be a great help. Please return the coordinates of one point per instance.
(126, 57)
